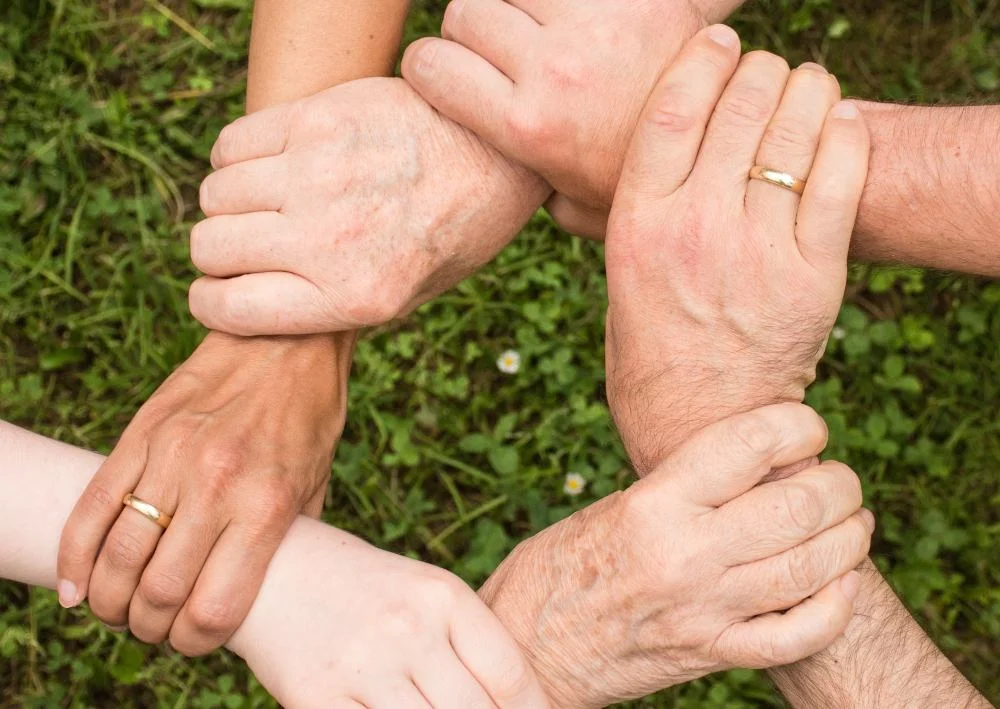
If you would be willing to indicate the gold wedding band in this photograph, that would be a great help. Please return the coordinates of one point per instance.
(776, 177)
(147, 510)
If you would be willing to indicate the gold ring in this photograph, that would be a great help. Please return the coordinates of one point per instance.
(776, 177)
(147, 510)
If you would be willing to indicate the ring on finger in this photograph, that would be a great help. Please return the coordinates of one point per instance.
(778, 178)
(150, 512)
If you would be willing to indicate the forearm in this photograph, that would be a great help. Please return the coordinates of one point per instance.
(883, 659)
(933, 197)
(297, 49)
(41, 480)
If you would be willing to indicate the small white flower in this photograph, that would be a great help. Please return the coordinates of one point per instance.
(838, 333)
(574, 485)
(509, 362)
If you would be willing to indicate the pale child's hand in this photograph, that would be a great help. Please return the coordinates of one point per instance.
(339, 623)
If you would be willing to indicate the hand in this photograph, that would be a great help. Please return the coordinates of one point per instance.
(348, 209)
(233, 445)
(341, 624)
(686, 572)
(722, 290)
(557, 85)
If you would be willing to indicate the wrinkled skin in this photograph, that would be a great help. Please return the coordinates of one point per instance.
(683, 574)
(348, 209)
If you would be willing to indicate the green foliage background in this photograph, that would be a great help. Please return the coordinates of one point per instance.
(108, 110)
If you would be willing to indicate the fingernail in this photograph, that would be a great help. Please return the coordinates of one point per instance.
(846, 110)
(116, 628)
(724, 35)
(67, 594)
(869, 519)
(813, 66)
(850, 584)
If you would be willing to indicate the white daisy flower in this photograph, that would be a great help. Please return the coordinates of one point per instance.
(838, 333)
(574, 484)
(509, 362)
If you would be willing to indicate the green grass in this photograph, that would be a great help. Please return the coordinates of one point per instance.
(108, 111)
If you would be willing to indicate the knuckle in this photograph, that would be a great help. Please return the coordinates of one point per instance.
(765, 62)
(802, 507)
(754, 433)
(210, 618)
(565, 72)
(124, 550)
(514, 678)
(224, 459)
(673, 111)
(788, 137)
(225, 145)
(219, 466)
(276, 507)
(849, 484)
(451, 23)
(440, 589)
(532, 128)
(803, 571)
(747, 104)
(99, 497)
(163, 591)
(234, 307)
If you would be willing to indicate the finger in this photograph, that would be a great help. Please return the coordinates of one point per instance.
(95, 514)
(672, 126)
(465, 88)
(829, 205)
(791, 141)
(777, 516)
(170, 576)
(126, 552)
(271, 303)
(497, 31)
(499, 665)
(782, 581)
(783, 638)
(228, 584)
(728, 458)
(237, 244)
(447, 684)
(263, 134)
(253, 186)
(740, 120)
(577, 219)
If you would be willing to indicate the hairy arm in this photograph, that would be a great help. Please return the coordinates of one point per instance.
(883, 659)
(932, 197)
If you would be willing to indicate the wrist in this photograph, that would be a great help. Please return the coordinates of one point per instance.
(324, 358)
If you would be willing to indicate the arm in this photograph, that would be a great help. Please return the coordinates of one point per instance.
(682, 335)
(884, 658)
(932, 197)
(300, 48)
(273, 404)
(324, 591)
